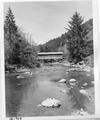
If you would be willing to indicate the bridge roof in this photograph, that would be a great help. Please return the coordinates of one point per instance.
(50, 53)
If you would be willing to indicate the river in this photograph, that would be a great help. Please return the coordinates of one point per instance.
(23, 95)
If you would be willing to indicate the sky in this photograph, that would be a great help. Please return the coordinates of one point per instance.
(43, 21)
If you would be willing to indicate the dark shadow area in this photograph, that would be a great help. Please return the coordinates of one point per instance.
(78, 100)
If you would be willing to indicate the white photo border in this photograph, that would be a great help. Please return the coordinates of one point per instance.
(96, 36)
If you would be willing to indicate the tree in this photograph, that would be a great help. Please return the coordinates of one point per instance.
(10, 28)
(11, 37)
(28, 56)
(47, 49)
(7, 51)
(41, 49)
(17, 48)
(76, 38)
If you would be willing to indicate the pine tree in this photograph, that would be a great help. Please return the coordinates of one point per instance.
(19, 50)
(12, 36)
(76, 38)
(10, 28)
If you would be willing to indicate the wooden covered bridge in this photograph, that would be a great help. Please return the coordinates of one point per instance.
(50, 56)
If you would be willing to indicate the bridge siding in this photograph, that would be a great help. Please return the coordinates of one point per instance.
(49, 56)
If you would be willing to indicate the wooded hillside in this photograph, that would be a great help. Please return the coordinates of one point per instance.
(61, 43)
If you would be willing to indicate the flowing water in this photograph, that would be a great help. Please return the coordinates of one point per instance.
(23, 95)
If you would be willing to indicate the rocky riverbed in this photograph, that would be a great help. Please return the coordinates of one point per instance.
(26, 89)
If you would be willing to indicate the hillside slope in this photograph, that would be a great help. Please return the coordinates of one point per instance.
(60, 43)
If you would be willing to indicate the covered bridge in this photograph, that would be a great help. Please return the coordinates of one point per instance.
(50, 56)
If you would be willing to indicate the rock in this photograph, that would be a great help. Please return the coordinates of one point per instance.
(80, 112)
(85, 84)
(66, 64)
(25, 74)
(72, 82)
(82, 87)
(62, 81)
(22, 70)
(28, 73)
(87, 69)
(73, 69)
(50, 102)
(84, 92)
(39, 105)
(20, 76)
(19, 84)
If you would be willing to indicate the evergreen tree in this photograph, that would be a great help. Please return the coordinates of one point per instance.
(76, 38)
(10, 28)
(11, 36)
(17, 50)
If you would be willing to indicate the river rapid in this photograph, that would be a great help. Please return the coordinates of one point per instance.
(23, 95)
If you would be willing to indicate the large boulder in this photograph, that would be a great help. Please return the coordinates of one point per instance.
(72, 82)
(84, 92)
(50, 102)
(62, 81)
